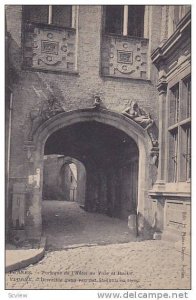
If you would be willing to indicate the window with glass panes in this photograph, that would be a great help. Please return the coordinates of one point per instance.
(127, 20)
(180, 131)
(58, 15)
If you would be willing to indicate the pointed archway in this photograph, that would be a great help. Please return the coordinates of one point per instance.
(71, 119)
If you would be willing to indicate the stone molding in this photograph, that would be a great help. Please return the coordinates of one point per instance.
(164, 51)
(91, 114)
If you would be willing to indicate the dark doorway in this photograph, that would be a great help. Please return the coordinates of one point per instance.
(110, 158)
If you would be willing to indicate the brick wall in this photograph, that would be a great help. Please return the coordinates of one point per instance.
(73, 91)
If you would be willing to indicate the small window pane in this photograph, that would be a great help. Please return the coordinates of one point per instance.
(188, 97)
(62, 15)
(173, 156)
(136, 20)
(187, 154)
(174, 105)
(114, 19)
(36, 13)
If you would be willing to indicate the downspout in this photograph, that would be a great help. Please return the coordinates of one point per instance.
(8, 154)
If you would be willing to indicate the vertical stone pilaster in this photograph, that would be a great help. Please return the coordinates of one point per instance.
(164, 23)
(33, 166)
(162, 88)
(171, 27)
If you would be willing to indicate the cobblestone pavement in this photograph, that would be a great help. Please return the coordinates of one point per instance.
(120, 264)
(65, 223)
(134, 265)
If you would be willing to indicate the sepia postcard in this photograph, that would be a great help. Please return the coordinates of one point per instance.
(98, 148)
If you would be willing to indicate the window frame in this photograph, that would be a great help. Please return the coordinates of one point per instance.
(125, 22)
(183, 128)
(50, 16)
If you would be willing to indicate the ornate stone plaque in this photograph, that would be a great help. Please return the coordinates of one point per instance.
(124, 57)
(48, 47)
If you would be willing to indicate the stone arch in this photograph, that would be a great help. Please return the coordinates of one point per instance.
(56, 177)
(136, 132)
(104, 116)
(81, 177)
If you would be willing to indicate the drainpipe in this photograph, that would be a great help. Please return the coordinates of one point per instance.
(8, 151)
(9, 132)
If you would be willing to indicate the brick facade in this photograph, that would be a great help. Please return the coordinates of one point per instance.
(76, 90)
